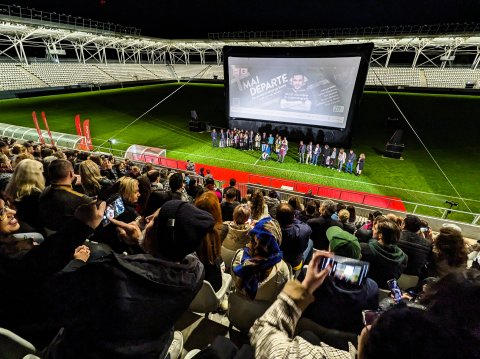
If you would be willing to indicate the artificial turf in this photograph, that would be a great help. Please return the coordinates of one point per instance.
(447, 124)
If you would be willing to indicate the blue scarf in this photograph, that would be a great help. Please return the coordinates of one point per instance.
(253, 268)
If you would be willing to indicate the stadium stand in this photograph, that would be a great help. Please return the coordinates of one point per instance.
(13, 76)
(17, 76)
(66, 74)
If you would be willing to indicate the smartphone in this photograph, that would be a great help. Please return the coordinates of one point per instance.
(395, 290)
(370, 316)
(114, 208)
(346, 270)
(424, 229)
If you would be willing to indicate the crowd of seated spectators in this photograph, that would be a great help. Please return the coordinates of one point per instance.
(79, 282)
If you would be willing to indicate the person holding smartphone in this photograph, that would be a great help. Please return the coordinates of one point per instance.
(338, 305)
(271, 333)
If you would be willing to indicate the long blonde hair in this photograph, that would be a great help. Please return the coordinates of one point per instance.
(90, 175)
(27, 178)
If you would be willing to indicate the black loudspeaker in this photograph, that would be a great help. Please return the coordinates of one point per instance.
(393, 150)
(196, 126)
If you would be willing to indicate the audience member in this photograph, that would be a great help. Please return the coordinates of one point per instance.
(258, 205)
(449, 253)
(416, 247)
(210, 186)
(59, 201)
(365, 232)
(272, 334)
(24, 189)
(258, 270)
(344, 216)
(320, 225)
(296, 204)
(6, 171)
(154, 178)
(272, 202)
(209, 250)
(27, 266)
(93, 183)
(228, 204)
(338, 305)
(126, 306)
(296, 243)
(454, 300)
(236, 234)
(386, 259)
(309, 212)
(177, 187)
(233, 183)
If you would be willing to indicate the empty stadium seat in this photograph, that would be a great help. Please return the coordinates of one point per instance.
(207, 300)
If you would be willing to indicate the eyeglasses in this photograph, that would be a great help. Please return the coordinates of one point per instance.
(3, 211)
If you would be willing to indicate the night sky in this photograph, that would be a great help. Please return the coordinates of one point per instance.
(195, 19)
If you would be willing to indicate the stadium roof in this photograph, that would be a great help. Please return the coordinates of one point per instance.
(195, 19)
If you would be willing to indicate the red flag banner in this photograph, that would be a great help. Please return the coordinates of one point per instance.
(44, 117)
(78, 126)
(39, 132)
(86, 131)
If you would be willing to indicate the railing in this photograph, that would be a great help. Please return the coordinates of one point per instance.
(163, 162)
(46, 17)
(329, 192)
(357, 198)
(344, 32)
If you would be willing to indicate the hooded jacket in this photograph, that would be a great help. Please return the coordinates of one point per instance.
(386, 262)
(124, 306)
(237, 235)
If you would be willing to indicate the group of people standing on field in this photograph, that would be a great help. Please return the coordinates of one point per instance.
(330, 157)
(249, 140)
(307, 153)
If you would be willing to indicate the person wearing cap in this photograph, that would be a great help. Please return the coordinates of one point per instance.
(416, 247)
(339, 305)
(126, 306)
(259, 271)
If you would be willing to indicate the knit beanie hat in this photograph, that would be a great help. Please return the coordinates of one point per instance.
(180, 228)
(343, 243)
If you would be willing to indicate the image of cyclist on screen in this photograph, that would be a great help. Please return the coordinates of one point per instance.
(296, 96)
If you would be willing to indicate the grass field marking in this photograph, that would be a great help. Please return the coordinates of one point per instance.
(425, 147)
(177, 129)
(324, 176)
(156, 105)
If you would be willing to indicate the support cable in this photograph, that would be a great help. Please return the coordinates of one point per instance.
(153, 107)
(418, 137)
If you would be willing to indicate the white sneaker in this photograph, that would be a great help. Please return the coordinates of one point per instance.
(176, 347)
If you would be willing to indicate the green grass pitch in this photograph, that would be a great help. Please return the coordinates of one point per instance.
(447, 124)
